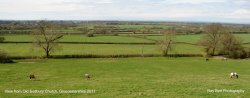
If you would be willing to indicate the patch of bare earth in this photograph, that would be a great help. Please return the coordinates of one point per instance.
(218, 57)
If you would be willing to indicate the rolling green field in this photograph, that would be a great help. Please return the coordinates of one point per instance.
(127, 78)
(122, 77)
(78, 38)
(28, 49)
(180, 38)
(196, 38)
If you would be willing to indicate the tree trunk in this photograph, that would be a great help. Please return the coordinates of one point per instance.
(168, 46)
(166, 53)
(213, 51)
(47, 53)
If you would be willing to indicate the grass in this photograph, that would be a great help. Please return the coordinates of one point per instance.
(196, 38)
(79, 38)
(106, 49)
(17, 38)
(122, 39)
(180, 38)
(245, 37)
(131, 77)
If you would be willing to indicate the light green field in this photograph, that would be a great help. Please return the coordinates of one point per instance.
(105, 49)
(18, 38)
(127, 78)
(122, 39)
(196, 38)
(117, 39)
(181, 38)
(101, 49)
(244, 37)
(79, 38)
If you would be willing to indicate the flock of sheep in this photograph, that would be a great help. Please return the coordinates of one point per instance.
(88, 76)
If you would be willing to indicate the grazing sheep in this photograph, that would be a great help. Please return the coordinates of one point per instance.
(32, 76)
(234, 74)
(87, 76)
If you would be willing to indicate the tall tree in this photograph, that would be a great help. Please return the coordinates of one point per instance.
(211, 40)
(168, 41)
(228, 42)
(46, 36)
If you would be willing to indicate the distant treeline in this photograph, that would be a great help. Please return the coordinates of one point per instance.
(118, 31)
(107, 27)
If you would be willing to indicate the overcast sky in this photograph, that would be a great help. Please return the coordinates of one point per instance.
(169, 10)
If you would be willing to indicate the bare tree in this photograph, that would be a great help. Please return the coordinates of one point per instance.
(228, 42)
(46, 37)
(84, 30)
(211, 40)
(168, 41)
(101, 30)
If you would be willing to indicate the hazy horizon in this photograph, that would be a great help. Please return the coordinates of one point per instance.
(224, 11)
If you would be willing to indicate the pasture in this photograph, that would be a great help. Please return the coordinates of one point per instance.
(116, 39)
(129, 77)
(105, 49)
(28, 49)
(122, 77)
(78, 38)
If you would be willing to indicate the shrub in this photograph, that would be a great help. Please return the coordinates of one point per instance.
(238, 54)
(4, 58)
(90, 34)
(6, 61)
(2, 39)
(115, 34)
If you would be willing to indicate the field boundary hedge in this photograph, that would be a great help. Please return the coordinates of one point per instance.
(147, 43)
(141, 43)
(105, 56)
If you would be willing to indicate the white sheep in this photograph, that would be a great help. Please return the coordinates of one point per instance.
(234, 74)
(87, 76)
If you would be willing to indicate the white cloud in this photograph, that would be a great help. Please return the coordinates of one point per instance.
(172, 13)
(16, 6)
(240, 14)
(194, 1)
(126, 9)
(89, 1)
